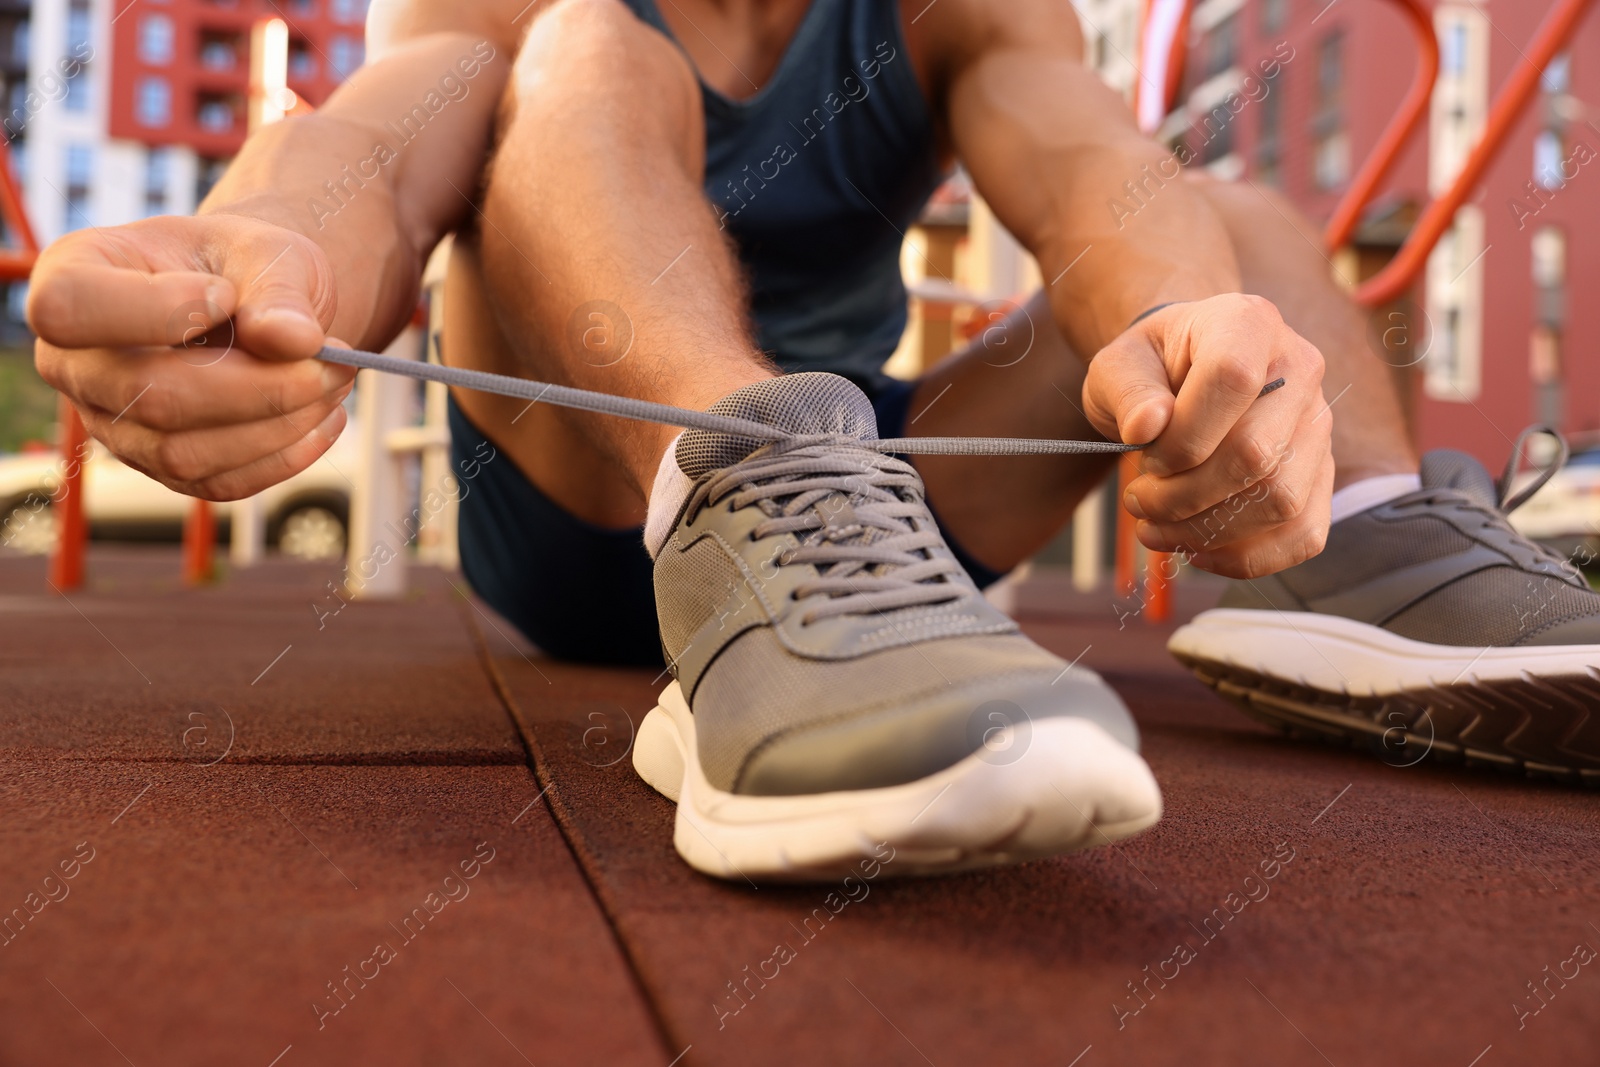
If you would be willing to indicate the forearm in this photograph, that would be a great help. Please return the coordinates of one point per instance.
(379, 174)
(1114, 225)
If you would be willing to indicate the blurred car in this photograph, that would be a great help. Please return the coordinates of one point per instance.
(307, 516)
(1565, 514)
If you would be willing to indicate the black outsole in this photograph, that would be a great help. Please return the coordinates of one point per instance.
(1546, 728)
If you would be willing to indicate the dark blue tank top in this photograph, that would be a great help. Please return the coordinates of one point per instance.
(816, 178)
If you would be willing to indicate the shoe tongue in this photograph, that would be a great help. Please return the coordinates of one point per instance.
(1446, 468)
(805, 403)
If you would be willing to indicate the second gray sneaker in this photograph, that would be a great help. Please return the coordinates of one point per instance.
(1427, 626)
(843, 692)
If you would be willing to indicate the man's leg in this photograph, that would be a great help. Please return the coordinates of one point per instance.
(598, 262)
(1003, 510)
(782, 661)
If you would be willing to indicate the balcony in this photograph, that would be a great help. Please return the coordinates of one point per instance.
(219, 55)
(220, 115)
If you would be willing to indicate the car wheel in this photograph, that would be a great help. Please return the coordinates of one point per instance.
(29, 528)
(311, 532)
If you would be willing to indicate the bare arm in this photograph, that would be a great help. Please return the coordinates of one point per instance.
(384, 169)
(1052, 150)
(318, 231)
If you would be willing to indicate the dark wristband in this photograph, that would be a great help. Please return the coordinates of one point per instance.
(1147, 312)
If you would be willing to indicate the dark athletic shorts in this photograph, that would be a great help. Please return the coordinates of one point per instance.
(578, 591)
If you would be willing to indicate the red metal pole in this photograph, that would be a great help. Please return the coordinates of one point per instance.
(1127, 547)
(1398, 275)
(1383, 156)
(72, 530)
(1158, 586)
(199, 543)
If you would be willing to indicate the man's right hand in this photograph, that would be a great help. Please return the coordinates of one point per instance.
(186, 345)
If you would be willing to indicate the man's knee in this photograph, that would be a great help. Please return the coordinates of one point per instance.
(590, 47)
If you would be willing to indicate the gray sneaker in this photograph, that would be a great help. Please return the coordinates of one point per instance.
(1426, 626)
(840, 683)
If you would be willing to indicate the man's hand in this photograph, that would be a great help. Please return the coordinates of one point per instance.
(186, 345)
(1236, 481)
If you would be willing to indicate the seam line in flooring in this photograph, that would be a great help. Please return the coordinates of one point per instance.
(570, 834)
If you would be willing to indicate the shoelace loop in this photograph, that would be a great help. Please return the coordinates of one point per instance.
(1496, 517)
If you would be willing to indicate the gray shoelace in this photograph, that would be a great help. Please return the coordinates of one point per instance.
(857, 515)
(646, 411)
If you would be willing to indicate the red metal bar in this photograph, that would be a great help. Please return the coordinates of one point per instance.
(15, 263)
(199, 543)
(1395, 278)
(1127, 548)
(1383, 156)
(1158, 586)
(72, 530)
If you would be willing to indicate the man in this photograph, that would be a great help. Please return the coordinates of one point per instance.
(727, 181)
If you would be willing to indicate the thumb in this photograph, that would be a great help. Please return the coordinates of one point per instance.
(1127, 394)
(286, 294)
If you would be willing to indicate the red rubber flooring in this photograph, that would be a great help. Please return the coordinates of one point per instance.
(230, 836)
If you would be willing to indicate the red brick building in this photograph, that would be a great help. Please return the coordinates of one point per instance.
(1495, 339)
(180, 70)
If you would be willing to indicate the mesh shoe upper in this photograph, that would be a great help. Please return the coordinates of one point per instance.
(819, 626)
(1441, 565)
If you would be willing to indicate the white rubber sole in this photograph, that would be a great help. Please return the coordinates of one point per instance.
(1072, 787)
(1356, 659)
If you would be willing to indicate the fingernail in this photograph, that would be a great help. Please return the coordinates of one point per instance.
(330, 426)
(1149, 464)
(336, 376)
(289, 318)
(1131, 502)
(1146, 534)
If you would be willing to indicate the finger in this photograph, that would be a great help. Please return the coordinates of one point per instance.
(192, 456)
(181, 389)
(286, 294)
(1126, 394)
(1273, 501)
(1256, 448)
(1282, 547)
(1234, 348)
(90, 290)
(277, 467)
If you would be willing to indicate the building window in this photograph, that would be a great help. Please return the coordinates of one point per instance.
(77, 100)
(348, 11)
(153, 105)
(304, 8)
(19, 43)
(157, 176)
(215, 115)
(219, 53)
(1331, 164)
(345, 55)
(80, 175)
(1222, 47)
(1331, 151)
(302, 64)
(1557, 76)
(1549, 257)
(1453, 48)
(1269, 144)
(77, 26)
(1547, 157)
(1273, 14)
(207, 173)
(155, 40)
